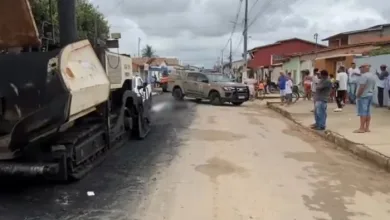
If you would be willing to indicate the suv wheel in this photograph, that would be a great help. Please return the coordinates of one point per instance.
(177, 94)
(215, 98)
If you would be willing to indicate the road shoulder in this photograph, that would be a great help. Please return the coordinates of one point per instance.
(368, 146)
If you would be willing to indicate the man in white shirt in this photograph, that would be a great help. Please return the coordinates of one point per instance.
(353, 77)
(288, 91)
(341, 86)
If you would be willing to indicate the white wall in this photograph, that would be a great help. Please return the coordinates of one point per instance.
(276, 73)
(375, 62)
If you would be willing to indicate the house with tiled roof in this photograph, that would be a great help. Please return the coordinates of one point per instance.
(371, 34)
(142, 63)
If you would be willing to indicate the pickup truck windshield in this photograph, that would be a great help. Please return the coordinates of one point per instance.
(218, 78)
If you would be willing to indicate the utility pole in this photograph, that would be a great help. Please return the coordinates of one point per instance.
(316, 39)
(139, 47)
(231, 55)
(221, 61)
(245, 74)
(67, 20)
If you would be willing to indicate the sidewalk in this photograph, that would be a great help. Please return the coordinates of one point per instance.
(373, 146)
(272, 96)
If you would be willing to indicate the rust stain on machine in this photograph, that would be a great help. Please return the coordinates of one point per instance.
(17, 25)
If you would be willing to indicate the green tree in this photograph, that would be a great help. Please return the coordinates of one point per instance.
(148, 51)
(86, 14)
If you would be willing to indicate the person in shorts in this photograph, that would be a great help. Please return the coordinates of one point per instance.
(364, 93)
(288, 91)
(282, 86)
(260, 89)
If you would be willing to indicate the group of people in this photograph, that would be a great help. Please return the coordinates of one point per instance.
(356, 84)
(285, 84)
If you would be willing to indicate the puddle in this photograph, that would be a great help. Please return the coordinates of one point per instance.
(216, 167)
(215, 135)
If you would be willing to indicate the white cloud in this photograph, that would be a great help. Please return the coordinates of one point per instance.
(195, 31)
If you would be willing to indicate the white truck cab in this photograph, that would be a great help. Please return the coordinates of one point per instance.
(119, 70)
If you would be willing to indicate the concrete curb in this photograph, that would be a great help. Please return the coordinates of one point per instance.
(360, 150)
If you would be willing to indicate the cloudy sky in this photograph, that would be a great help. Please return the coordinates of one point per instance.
(196, 31)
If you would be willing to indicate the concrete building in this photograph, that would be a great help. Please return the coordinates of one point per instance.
(372, 34)
(329, 59)
(268, 59)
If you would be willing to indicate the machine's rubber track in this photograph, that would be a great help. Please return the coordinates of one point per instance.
(90, 138)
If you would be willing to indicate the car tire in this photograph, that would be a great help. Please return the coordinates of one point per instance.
(177, 94)
(237, 103)
(215, 98)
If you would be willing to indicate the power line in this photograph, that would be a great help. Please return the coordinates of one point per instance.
(170, 27)
(268, 4)
(118, 5)
(239, 44)
(234, 24)
(259, 14)
(253, 6)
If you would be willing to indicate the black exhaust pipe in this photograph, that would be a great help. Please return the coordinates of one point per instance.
(67, 20)
(28, 170)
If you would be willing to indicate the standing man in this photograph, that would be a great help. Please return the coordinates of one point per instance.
(288, 90)
(282, 86)
(353, 76)
(382, 77)
(323, 90)
(341, 88)
(314, 83)
(364, 93)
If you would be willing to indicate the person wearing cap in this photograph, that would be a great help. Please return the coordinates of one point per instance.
(323, 89)
(382, 77)
(364, 94)
(353, 76)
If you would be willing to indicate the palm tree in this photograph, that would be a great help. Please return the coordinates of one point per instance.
(148, 51)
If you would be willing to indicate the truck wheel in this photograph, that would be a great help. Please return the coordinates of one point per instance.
(215, 98)
(237, 103)
(137, 131)
(177, 94)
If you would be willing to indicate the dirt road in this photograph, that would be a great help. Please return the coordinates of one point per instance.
(248, 163)
(204, 162)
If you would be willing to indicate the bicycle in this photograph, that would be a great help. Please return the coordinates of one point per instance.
(297, 93)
